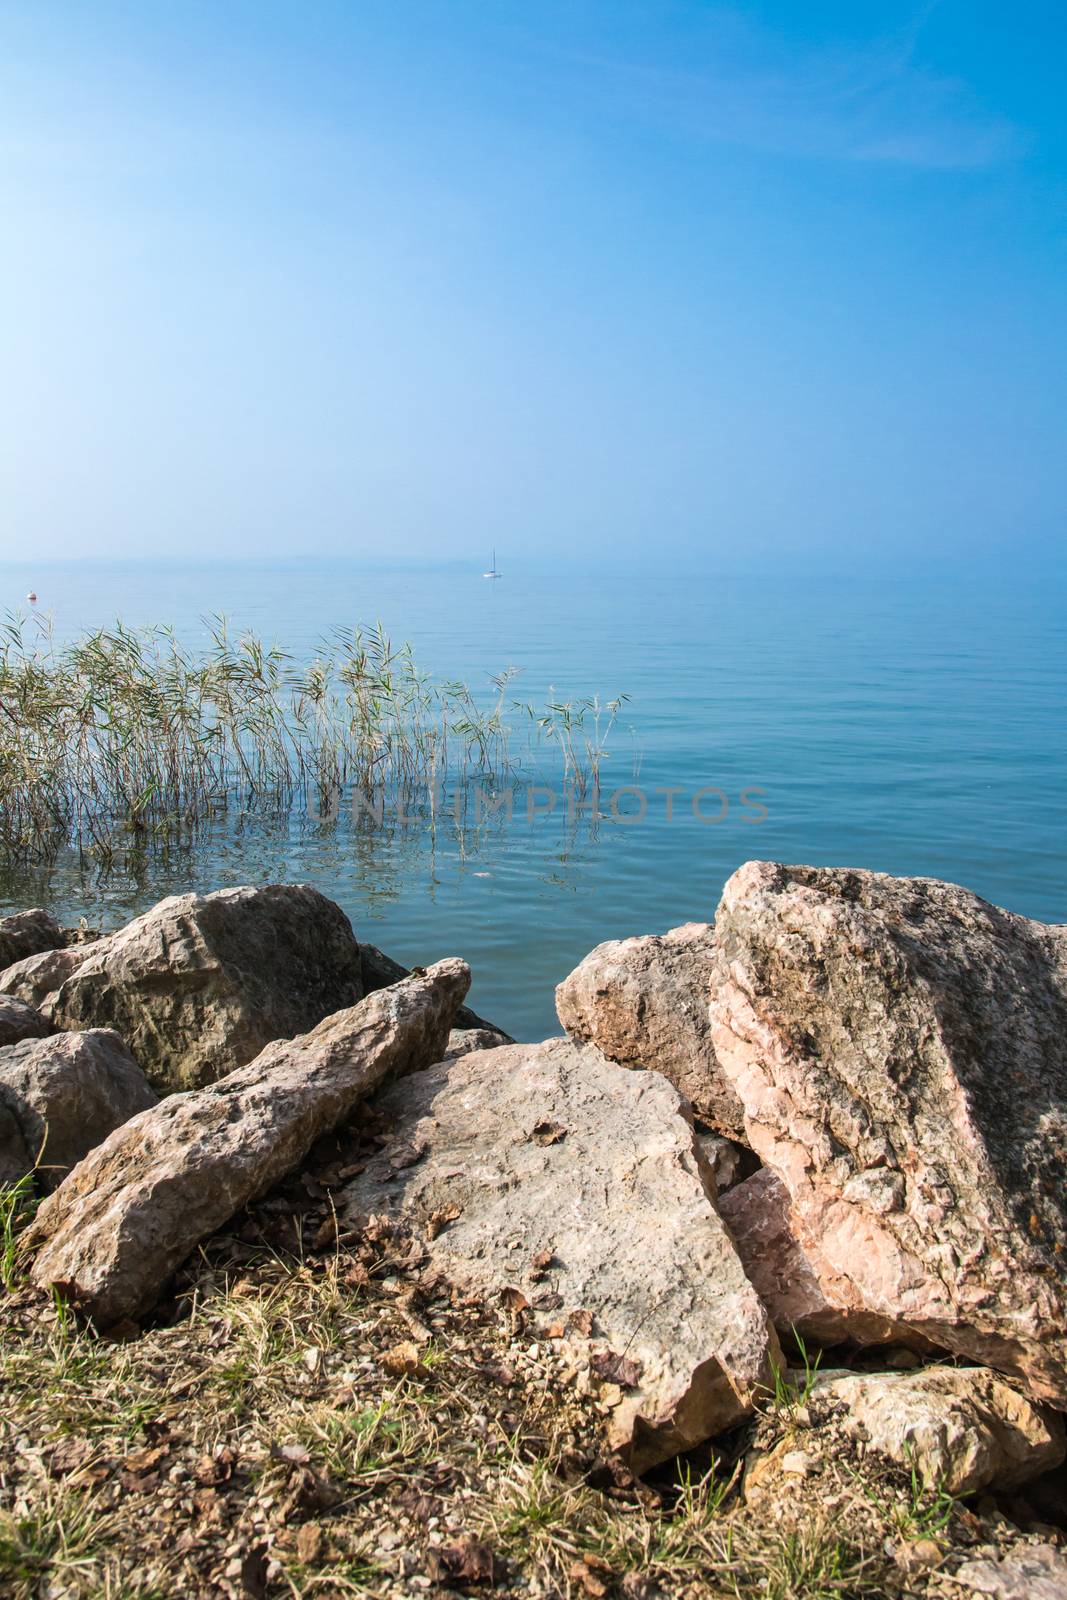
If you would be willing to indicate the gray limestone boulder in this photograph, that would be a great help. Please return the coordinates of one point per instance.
(61, 1096)
(579, 1187)
(644, 1003)
(201, 983)
(112, 1234)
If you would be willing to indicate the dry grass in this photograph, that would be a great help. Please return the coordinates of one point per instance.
(308, 1418)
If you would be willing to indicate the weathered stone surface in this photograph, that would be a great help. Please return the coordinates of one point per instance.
(1026, 1572)
(16, 1157)
(201, 983)
(730, 1162)
(548, 1170)
(757, 1215)
(462, 1041)
(20, 1021)
(37, 979)
(962, 1428)
(27, 932)
(64, 1095)
(128, 1215)
(379, 970)
(900, 1049)
(644, 1003)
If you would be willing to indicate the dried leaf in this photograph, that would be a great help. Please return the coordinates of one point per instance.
(467, 1560)
(69, 1455)
(208, 1504)
(636, 1587)
(254, 1573)
(145, 1459)
(581, 1572)
(499, 1372)
(546, 1132)
(597, 1563)
(420, 1507)
(612, 1368)
(439, 1219)
(402, 1360)
(325, 1233)
(310, 1542)
(139, 1482)
(309, 1491)
(405, 1155)
(216, 1468)
(581, 1322)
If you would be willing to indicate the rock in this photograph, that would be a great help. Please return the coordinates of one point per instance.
(1026, 1572)
(379, 970)
(961, 1428)
(16, 1157)
(757, 1215)
(36, 979)
(27, 933)
(729, 1161)
(462, 1041)
(644, 1003)
(64, 1095)
(779, 1475)
(20, 1021)
(900, 1050)
(201, 983)
(128, 1215)
(577, 1187)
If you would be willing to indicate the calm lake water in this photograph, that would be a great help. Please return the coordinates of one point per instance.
(912, 729)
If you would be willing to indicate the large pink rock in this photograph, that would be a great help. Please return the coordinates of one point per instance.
(644, 1003)
(900, 1050)
(757, 1215)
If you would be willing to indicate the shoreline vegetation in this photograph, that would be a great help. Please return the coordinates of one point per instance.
(127, 737)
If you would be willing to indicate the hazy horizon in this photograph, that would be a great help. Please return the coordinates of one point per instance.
(726, 287)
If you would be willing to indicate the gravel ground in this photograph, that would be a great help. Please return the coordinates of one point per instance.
(314, 1415)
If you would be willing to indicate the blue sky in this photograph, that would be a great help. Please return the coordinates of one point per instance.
(722, 285)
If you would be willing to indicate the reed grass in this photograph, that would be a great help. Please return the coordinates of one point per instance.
(129, 734)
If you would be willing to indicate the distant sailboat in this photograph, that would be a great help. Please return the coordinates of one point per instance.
(493, 573)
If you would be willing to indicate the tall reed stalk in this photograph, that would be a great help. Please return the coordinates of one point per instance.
(130, 732)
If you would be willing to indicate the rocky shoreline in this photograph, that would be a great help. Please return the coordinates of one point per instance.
(809, 1158)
